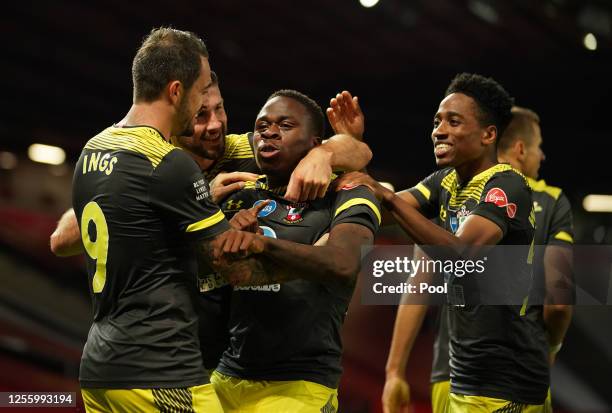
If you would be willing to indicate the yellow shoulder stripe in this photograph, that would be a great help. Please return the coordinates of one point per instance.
(359, 201)
(143, 140)
(206, 222)
(564, 236)
(423, 190)
(540, 186)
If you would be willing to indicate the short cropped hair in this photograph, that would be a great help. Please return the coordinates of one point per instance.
(492, 100)
(165, 55)
(521, 127)
(314, 110)
(214, 78)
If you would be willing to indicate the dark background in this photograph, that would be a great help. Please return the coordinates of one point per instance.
(66, 75)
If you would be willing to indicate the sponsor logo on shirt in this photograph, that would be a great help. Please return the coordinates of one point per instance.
(267, 210)
(498, 197)
(274, 288)
(268, 232)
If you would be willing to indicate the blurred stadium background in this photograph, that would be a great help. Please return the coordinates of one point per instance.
(66, 75)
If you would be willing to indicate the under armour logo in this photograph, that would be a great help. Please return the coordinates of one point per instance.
(233, 205)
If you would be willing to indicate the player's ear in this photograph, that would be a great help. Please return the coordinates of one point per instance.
(520, 149)
(174, 91)
(489, 135)
(316, 141)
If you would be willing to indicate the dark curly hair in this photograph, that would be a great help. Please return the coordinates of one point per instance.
(493, 102)
(314, 110)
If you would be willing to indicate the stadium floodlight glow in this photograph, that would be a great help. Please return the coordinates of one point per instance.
(368, 3)
(52, 155)
(597, 203)
(590, 41)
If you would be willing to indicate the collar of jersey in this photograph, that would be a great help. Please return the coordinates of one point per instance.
(262, 183)
(157, 132)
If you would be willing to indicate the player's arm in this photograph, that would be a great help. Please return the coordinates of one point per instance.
(66, 239)
(345, 115)
(408, 321)
(475, 231)
(558, 260)
(278, 260)
(345, 151)
(312, 176)
(557, 316)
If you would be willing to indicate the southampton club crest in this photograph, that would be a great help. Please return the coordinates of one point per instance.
(294, 213)
(458, 218)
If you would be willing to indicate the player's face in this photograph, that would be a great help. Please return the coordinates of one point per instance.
(283, 136)
(192, 101)
(208, 139)
(534, 154)
(457, 133)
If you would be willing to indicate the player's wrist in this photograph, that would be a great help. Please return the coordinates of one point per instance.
(394, 372)
(322, 154)
(388, 199)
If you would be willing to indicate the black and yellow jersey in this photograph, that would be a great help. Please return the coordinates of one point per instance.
(213, 304)
(239, 155)
(491, 353)
(291, 331)
(140, 204)
(553, 216)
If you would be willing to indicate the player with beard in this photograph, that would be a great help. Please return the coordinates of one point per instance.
(143, 210)
(494, 364)
(215, 151)
(232, 157)
(285, 346)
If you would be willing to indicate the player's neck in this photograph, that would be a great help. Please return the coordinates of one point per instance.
(277, 181)
(469, 170)
(149, 114)
(203, 163)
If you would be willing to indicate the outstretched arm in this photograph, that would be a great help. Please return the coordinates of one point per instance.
(66, 239)
(475, 231)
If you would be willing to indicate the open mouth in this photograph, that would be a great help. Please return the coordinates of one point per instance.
(442, 148)
(267, 150)
(212, 138)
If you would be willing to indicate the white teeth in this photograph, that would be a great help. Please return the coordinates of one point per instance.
(442, 146)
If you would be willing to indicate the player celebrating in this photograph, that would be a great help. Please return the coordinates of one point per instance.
(478, 202)
(141, 203)
(285, 347)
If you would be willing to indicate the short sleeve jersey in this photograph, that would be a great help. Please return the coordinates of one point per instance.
(291, 331)
(554, 226)
(486, 359)
(238, 156)
(141, 204)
